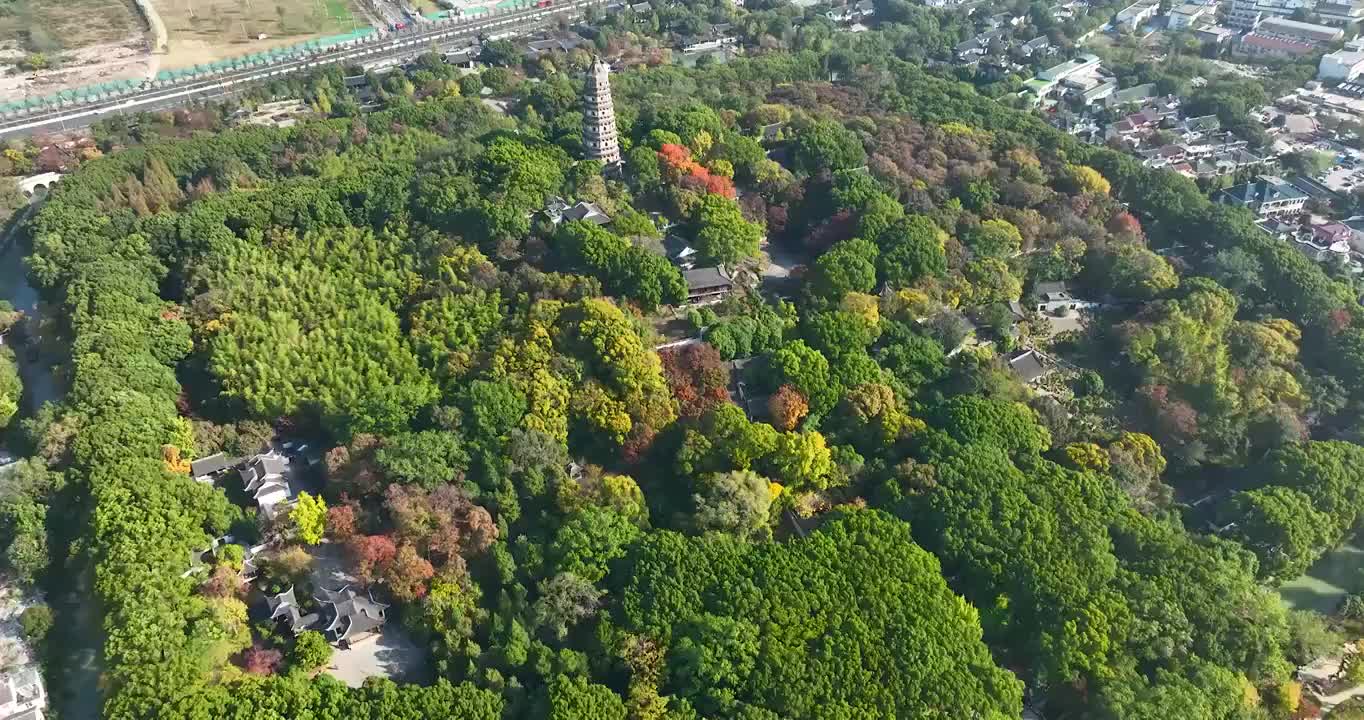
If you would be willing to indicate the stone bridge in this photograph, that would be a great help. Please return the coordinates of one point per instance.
(38, 184)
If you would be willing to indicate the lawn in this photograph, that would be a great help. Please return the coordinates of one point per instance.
(1328, 581)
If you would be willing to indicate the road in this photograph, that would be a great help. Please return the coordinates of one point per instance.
(386, 50)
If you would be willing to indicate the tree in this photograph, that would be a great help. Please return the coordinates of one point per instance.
(309, 518)
(848, 266)
(807, 370)
(1135, 272)
(714, 656)
(991, 282)
(407, 574)
(589, 541)
(442, 523)
(565, 600)
(994, 238)
(341, 522)
(787, 407)
(723, 236)
(1310, 637)
(699, 379)
(427, 458)
(1010, 426)
(802, 461)
(1085, 179)
(495, 407)
(1136, 463)
(912, 249)
(827, 145)
(262, 661)
(11, 387)
(574, 698)
(856, 582)
(1309, 162)
(310, 651)
(35, 622)
(1282, 528)
(372, 554)
(839, 333)
(735, 502)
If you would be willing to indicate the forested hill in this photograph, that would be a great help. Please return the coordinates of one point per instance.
(574, 525)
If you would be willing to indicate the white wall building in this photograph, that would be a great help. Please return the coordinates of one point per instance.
(1343, 65)
(1083, 63)
(1185, 16)
(22, 696)
(1132, 16)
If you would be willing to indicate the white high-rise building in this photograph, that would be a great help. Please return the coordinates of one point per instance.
(599, 116)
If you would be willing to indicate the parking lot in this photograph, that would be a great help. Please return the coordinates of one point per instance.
(1344, 178)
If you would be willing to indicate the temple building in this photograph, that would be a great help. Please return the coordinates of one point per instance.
(599, 116)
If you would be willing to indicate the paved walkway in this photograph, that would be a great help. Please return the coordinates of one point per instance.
(390, 654)
(1322, 671)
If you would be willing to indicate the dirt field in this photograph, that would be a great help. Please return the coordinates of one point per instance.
(203, 31)
(79, 42)
(51, 26)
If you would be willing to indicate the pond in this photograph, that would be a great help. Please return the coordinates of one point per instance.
(1328, 581)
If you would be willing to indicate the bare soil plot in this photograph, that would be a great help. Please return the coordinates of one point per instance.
(205, 31)
(52, 45)
(52, 26)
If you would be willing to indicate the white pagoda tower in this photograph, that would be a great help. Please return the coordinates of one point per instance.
(599, 116)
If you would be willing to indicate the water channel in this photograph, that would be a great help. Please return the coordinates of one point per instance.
(76, 691)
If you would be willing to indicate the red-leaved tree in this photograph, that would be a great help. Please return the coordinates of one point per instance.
(372, 555)
(261, 661)
(699, 379)
(408, 573)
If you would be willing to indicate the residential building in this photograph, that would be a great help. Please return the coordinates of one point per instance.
(1133, 16)
(1331, 233)
(1315, 189)
(1253, 44)
(284, 607)
(1344, 65)
(978, 45)
(1216, 34)
(599, 116)
(207, 469)
(1318, 35)
(1341, 14)
(1036, 46)
(1134, 94)
(536, 49)
(1247, 14)
(1185, 16)
(1244, 18)
(1196, 127)
(588, 212)
(707, 284)
(1054, 298)
(1091, 90)
(22, 696)
(352, 615)
(1059, 72)
(852, 12)
(264, 479)
(1267, 196)
(1029, 366)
